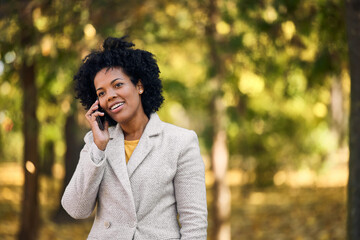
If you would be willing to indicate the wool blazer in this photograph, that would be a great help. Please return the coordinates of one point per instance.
(164, 177)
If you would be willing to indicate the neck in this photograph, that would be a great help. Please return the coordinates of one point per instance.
(134, 129)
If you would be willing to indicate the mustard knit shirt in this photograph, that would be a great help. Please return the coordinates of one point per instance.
(129, 148)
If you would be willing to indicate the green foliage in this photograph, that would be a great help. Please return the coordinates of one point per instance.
(278, 57)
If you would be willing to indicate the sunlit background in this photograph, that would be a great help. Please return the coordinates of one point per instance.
(272, 75)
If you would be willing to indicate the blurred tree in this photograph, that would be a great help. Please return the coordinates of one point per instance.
(289, 54)
(332, 44)
(42, 46)
(353, 33)
(30, 201)
(219, 153)
(48, 158)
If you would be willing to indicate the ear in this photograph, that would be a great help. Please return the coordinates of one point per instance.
(140, 87)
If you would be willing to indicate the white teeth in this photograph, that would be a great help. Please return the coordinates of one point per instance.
(116, 106)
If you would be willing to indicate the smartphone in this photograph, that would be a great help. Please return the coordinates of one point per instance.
(101, 119)
(100, 122)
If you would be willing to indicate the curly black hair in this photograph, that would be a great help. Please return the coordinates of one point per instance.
(137, 64)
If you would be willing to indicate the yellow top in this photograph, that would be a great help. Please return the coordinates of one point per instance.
(129, 148)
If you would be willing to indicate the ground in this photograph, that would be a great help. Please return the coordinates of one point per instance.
(299, 213)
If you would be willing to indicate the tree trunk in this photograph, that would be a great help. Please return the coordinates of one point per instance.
(219, 161)
(353, 34)
(338, 120)
(219, 153)
(30, 202)
(73, 146)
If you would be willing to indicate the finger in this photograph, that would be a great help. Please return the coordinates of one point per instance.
(88, 114)
(97, 113)
(95, 106)
(92, 117)
(92, 109)
(96, 102)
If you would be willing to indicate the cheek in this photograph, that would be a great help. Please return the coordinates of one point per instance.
(101, 103)
(136, 99)
(133, 95)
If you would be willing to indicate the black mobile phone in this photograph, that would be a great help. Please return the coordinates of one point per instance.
(101, 119)
(100, 122)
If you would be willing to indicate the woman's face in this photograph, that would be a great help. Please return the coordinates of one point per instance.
(118, 96)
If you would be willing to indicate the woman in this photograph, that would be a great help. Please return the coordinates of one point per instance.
(139, 171)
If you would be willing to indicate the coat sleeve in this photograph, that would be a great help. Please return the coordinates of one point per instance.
(79, 198)
(190, 191)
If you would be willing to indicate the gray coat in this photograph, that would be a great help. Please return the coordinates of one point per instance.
(140, 200)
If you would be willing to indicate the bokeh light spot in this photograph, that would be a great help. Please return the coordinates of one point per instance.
(30, 167)
(10, 57)
(222, 28)
(89, 31)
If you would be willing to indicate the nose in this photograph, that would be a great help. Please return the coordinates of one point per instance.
(111, 95)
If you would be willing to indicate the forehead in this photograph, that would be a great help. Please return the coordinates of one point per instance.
(112, 71)
(109, 74)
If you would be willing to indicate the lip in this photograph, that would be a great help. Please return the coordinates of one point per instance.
(118, 108)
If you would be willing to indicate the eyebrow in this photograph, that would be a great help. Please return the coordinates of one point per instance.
(110, 83)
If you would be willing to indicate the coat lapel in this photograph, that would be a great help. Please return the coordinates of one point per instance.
(116, 156)
(146, 143)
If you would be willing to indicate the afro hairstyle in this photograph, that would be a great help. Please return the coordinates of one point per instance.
(137, 64)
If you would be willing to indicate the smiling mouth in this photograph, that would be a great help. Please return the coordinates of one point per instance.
(116, 106)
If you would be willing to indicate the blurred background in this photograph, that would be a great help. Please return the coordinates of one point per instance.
(265, 85)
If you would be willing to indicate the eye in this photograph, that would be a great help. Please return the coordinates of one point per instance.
(100, 94)
(119, 84)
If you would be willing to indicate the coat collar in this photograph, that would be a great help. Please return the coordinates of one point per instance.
(153, 128)
(116, 147)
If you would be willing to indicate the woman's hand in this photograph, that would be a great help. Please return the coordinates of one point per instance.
(101, 137)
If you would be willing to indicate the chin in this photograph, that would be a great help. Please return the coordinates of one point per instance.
(121, 119)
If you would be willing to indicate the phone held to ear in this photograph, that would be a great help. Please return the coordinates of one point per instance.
(101, 119)
(100, 122)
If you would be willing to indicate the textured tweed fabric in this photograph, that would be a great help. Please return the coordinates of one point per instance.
(141, 200)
